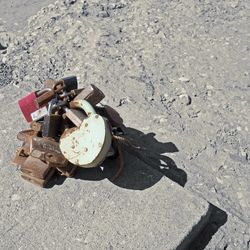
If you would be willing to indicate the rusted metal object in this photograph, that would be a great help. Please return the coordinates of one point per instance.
(26, 149)
(51, 125)
(67, 130)
(111, 114)
(37, 181)
(71, 94)
(68, 171)
(19, 160)
(53, 159)
(49, 83)
(76, 116)
(20, 157)
(67, 84)
(44, 98)
(91, 94)
(45, 145)
(36, 126)
(35, 167)
(56, 160)
(38, 154)
(27, 135)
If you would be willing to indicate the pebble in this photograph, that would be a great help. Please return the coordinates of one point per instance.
(126, 100)
(239, 128)
(163, 98)
(219, 180)
(235, 4)
(210, 87)
(15, 197)
(80, 203)
(209, 93)
(243, 153)
(184, 79)
(163, 119)
(185, 99)
(68, 2)
(159, 119)
(145, 128)
(2, 46)
(103, 14)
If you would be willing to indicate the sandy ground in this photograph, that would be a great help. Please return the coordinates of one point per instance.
(177, 71)
(14, 13)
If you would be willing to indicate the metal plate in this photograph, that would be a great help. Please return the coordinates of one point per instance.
(87, 146)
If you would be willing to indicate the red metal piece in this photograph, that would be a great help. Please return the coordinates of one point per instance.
(28, 105)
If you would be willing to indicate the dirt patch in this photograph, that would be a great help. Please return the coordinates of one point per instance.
(5, 74)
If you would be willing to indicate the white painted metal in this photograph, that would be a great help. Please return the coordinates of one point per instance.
(38, 114)
(88, 145)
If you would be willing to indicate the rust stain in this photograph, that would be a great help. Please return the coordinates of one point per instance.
(68, 132)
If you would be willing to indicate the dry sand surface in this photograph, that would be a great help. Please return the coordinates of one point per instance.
(14, 13)
(178, 71)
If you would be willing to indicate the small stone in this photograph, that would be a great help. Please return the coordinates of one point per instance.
(126, 100)
(57, 29)
(162, 120)
(103, 14)
(235, 4)
(15, 197)
(145, 128)
(4, 59)
(209, 93)
(184, 79)
(219, 180)
(69, 2)
(114, 6)
(239, 128)
(185, 99)
(163, 97)
(2, 46)
(210, 87)
(243, 153)
(80, 203)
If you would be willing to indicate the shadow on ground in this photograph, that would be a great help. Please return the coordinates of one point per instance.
(145, 167)
(139, 164)
(217, 219)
